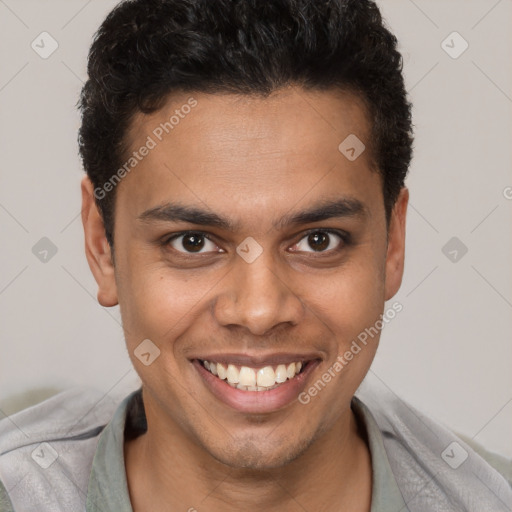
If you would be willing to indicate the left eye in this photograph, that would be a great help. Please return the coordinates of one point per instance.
(318, 241)
(192, 243)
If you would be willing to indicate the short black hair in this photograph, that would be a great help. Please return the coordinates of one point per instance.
(147, 49)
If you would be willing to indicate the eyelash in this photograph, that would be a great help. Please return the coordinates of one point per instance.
(344, 236)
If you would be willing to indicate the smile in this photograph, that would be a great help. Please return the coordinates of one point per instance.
(246, 378)
(256, 385)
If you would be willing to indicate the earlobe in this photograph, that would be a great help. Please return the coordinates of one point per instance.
(396, 245)
(97, 249)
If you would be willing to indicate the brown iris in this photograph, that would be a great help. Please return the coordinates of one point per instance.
(318, 241)
(193, 242)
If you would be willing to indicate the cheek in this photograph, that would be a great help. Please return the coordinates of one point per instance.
(350, 299)
(350, 304)
(156, 304)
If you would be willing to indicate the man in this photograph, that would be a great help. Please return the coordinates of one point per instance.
(245, 206)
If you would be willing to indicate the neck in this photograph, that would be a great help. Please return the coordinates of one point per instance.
(167, 470)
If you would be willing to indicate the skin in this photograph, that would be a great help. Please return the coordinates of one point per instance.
(251, 160)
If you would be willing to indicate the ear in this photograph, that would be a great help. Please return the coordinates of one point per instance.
(396, 245)
(97, 249)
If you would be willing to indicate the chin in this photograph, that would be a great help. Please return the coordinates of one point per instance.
(259, 455)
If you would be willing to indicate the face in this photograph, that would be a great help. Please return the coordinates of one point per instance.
(246, 239)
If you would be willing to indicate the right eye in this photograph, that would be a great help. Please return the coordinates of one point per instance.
(191, 242)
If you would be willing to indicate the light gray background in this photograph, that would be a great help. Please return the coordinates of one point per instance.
(448, 352)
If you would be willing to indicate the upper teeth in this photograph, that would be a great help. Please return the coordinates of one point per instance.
(251, 379)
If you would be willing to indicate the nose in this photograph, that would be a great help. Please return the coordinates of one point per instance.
(257, 297)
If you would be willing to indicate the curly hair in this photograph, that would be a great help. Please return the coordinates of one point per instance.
(147, 49)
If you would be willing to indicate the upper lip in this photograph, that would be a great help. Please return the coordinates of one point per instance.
(259, 361)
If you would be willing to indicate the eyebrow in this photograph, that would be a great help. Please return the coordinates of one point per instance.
(176, 212)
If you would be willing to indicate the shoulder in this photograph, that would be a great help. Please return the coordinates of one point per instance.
(49, 447)
(424, 454)
(64, 415)
(5, 502)
(499, 462)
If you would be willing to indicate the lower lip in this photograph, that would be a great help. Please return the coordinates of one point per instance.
(256, 402)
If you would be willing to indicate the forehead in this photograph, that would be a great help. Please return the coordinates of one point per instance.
(289, 115)
(248, 150)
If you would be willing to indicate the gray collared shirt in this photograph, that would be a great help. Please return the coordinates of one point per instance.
(80, 437)
(108, 489)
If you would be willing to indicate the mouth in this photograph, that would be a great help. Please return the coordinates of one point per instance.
(256, 386)
(247, 378)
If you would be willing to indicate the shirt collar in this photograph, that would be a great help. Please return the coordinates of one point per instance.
(108, 488)
(386, 495)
